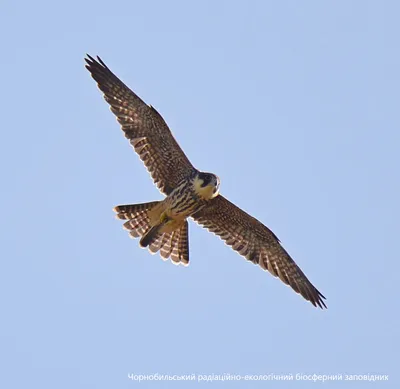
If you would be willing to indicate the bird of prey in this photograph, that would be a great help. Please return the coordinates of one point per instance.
(163, 225)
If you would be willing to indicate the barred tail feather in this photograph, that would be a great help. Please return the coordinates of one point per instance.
(174, 245)
(183, 244)
(138, 221)
(150, 236)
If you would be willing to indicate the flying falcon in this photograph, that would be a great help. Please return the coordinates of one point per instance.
(162, 225)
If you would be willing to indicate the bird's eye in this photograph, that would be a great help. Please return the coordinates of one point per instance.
(207, 178)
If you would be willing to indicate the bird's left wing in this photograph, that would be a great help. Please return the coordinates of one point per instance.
(144, 127)
(256, 243)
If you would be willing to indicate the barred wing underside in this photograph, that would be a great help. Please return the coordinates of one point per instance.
(144, 127)
(258, 244)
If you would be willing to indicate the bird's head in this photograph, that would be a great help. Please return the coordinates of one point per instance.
(206, 185)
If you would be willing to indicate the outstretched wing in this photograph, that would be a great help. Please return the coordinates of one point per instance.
(256, 243)
(144, 127)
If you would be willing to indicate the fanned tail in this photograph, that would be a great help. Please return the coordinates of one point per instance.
(174, 245)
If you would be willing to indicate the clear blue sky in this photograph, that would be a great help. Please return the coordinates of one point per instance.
(294, 104)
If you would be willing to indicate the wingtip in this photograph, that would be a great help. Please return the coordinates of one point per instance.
(101, 61)
(91, 61)
(320, 301)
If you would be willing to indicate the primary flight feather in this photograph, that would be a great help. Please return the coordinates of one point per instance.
(162, 226)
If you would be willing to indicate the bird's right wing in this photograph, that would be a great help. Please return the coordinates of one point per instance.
(257, 243)
(144, 127)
